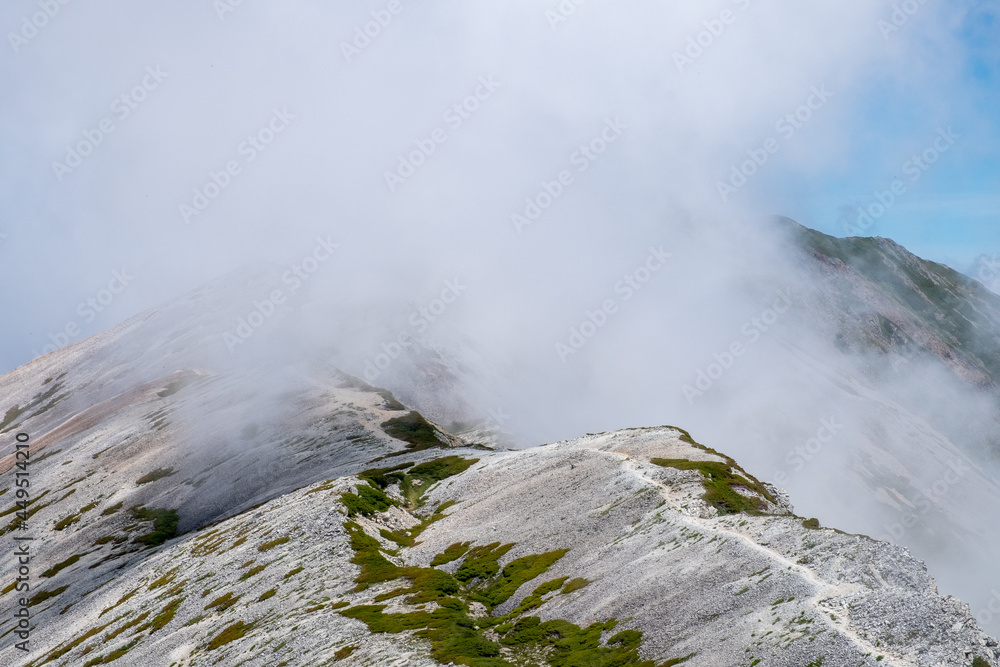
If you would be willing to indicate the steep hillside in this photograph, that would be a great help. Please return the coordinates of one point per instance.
(890, 300)
(629, 548)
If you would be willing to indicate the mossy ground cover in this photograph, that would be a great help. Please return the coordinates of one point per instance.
(413, 429)
(50, 397)
(413, 480)
(367, 501)
(164, 525)
(458, 637)
(719, 480)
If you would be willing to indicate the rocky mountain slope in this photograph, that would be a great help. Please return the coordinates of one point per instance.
(635, 547)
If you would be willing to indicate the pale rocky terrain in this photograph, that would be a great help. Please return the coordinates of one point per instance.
(730, 589)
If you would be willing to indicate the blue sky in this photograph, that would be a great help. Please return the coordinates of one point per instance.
(952, 213)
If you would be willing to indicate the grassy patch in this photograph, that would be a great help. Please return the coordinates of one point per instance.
(344, 653)
(267, 546)
(256, 569)
(461, 639)
(414, 480)
(55, 569)
(159, 473)
(235, 631)
(122, 600)
(368, 500)
(42, 596)
(574, 585)
(267, 594)
(165, 616)
(223, 602)
(438, 469)
(452, 553)
(384, 477)
(719, 482)
(164, 525)
(413, 429)
(111, 510)
(812, 524)
(516, 573)
(482, 562)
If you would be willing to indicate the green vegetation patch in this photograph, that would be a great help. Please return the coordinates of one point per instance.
(383, 477)
(159, 473)
(111, 510)
(62, 650)
(438, 469)
(458, 638)
(7, 423)
(267, 546)
(256, 569)
(516, 573)
(164, 524)
(165, 616)
(344, 653)
(42, 596)
(223, 602)
(235, 631)
(482, 562)
(367, 501)
(812, 524)
(451, 554)
(414, 480)
(574, 585)
(55, 569)
(719, 480)
(413, 429)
